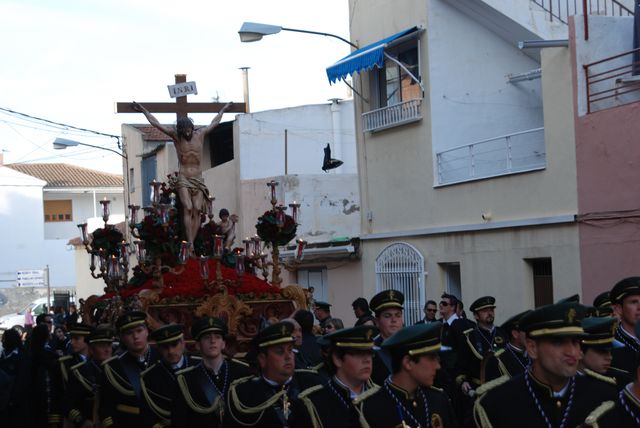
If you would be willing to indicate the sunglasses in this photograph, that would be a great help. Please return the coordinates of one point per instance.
(431, 310)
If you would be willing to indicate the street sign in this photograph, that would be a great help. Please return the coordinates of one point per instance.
(182, 89)
(31, 278)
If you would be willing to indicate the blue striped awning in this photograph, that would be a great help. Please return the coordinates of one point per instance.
(364, 58)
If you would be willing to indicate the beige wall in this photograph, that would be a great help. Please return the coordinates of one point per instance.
(222, 182)
(491, 263)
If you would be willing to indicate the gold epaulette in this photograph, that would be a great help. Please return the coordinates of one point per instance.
(592, 419)
(492, 384)
(471, 347)
(83, 381)
(242, 363)
(186, 394)
(183, 371)
(616, 369)
(498, 352)
(316, 422)
(600, 377)
(306, 371)
(368, 393)
(63, 367)
(148, 369)
(77, 366)
(467, 331)
(318, 367)
(435, 388)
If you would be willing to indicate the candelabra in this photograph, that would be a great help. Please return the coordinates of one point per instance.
(109, 252)
(276, 228)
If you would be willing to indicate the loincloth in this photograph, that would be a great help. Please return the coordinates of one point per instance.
(194, 185)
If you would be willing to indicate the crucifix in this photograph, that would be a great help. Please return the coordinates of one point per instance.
(189, 142)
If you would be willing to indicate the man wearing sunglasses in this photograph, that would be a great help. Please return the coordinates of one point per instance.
(430, 311)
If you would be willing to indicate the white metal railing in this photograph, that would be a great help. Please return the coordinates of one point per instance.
(503, 155)
(397, 114)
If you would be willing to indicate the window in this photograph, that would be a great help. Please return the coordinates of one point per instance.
(56, 211)
(148, 175)
(401, 267)
(221, 144)
(316, 278)
(452, 278)
(542, 281)
(396, 81)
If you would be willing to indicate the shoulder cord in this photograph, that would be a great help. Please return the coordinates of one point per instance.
(539, 406)
(163, 414)
(633, 344)
(111, 377)
(226, 378)
(182, 383)
(234, 400)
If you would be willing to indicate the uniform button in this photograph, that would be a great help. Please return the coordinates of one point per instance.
(558, 404)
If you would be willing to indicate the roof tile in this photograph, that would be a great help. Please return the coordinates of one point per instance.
(61, 175)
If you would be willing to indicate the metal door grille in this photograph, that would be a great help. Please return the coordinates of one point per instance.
(401, 267)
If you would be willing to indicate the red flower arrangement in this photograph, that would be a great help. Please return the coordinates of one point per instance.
(107, 238)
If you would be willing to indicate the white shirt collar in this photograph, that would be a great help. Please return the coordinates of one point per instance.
(274, 383)
(179, 365)
(352, 394)
(452, 318)
(563, 391)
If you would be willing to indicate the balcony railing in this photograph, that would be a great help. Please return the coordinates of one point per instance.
(395, 115)
(611, 82)
(508, 154)
(561, 10)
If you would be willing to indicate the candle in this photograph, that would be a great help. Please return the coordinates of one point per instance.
(133, 214)
(272, 184)
(142, 252)
(247, 246)
(300, 250)
(217, 245)
(204, 267)
(124, 252)
(155, 191)
(83, 233)
(105, 209)
(239, 264)
(295, 211)
(184, 252)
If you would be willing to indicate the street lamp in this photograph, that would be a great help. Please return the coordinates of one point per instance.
(253, 31)
(63, 143)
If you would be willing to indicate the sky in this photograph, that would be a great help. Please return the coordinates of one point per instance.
(70, 61)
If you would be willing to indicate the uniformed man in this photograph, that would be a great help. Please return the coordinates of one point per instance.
(602, 303)
(511, 360)
(549, 394)
(84, 379)
(158, 383)
(625, 297)
(407, 398)
(202, 388)
(322, 312)
(120, 390)
(330, 404)
(624, 410)
(478, 343)
(596, 350)
(388, 310)
(79, 352)
(265, 401)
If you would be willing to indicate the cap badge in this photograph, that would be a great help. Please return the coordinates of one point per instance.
(392, 295)
(571, 315)
(369, 334)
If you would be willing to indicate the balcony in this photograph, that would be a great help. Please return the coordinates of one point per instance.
(390, 116)
(508, 154)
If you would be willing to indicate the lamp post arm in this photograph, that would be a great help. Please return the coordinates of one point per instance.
(105, 148)
(321, 34)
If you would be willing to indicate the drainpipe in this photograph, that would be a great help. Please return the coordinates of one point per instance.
(245, 87)
(336, 149)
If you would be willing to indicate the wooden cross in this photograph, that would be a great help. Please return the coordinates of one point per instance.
(181, 107)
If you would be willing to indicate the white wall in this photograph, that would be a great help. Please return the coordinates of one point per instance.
(471, 99)
(21, 224)
(260, 143)
(83, 208)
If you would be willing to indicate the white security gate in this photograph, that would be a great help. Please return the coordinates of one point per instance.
(401, 267)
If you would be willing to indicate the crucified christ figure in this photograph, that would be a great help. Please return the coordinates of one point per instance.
(189, 183)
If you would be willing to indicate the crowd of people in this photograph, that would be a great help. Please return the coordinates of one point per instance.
(562, 365)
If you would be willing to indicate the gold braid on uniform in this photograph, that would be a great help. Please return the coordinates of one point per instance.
(491, 384)
(63, 368)
(111, 377)
(473, 349)
(76, 373)
(235, 400)
(479, 414)
(603, 378)
(359, 401)
(182, 383)
(313, 412)
(592, 419)
(159, 411)
(501, 367)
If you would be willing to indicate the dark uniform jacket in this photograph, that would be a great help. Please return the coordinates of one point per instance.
(389, 406)
(79, 404)
(510, 403)
(120, 390)
(624, 358)
(623, 412)
(368, 317)
(252, 401)
(509, 361)
(474, 345)
(328, 405)
(15, 389)
(200, 401)
(46, 402)
(159, 388)
(64, 366)
(381, 367)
